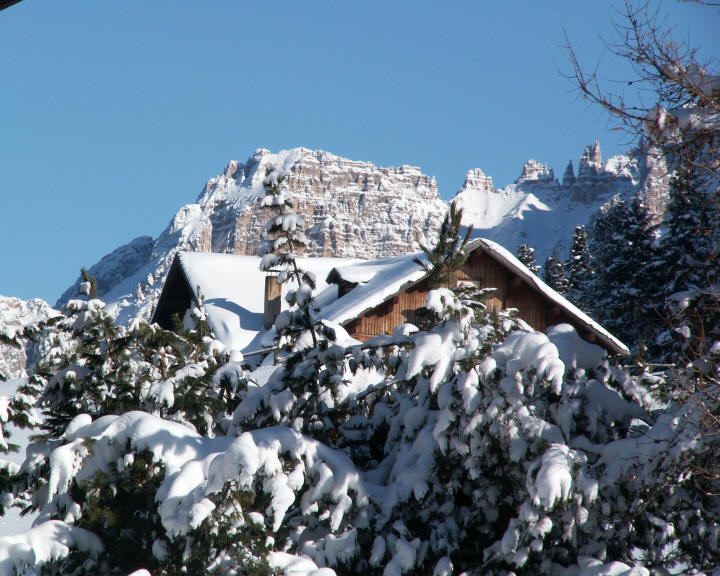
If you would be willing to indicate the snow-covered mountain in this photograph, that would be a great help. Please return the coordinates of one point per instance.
(352, 209)
(542, 211)
(15, 316)
(357, 209)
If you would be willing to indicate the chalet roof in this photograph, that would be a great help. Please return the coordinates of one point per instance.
(380, 280)
(377, 281)
(234, 291)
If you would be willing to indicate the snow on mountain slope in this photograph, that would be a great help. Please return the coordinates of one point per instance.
(15, 316)
(485, 207)
(352, 209)
(541, 211)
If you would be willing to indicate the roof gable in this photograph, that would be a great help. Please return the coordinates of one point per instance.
(505, 258)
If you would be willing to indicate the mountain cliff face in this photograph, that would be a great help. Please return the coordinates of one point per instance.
(15, 316)
(351, 208)
(356, 209)
(542, 211)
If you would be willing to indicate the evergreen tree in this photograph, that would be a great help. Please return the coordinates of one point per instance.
(689, 247)
(449, 254)
(689, 267)
(578, 266)
(554, 274)
(312, 366)
(285, 237)
(678, 124)
(467, 447)
(90, 369)
(622, 291)
(526, 255)
(679, 283)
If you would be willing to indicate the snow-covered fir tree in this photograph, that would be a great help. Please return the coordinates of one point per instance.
(92, 370)
(554, 274)
(578, 266)
(680, 122)
(622, 291)
(470, 446)
(526, 255)
(689, 254)
(285, 236)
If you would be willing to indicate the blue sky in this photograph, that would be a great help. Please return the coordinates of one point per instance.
(114, 114)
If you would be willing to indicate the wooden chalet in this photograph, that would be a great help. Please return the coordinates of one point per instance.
(375, 296)
(367, 297)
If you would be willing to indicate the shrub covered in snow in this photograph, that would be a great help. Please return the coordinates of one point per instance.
(470, 446)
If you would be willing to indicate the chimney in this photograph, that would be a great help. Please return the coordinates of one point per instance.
(273, 293)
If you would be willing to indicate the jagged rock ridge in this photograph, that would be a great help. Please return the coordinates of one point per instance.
(352, 209)
(542, 211)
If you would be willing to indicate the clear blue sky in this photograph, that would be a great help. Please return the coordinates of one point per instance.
(114, 114)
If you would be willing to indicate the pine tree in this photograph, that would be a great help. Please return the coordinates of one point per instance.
(621, 293)
(690, 244)
(449, 254)
(311, 365)
(469, 446)
(554, 274)
(91, 369)
(285, 237)
(673, 282)
(688, 267)
(578, 266)
(526, 255)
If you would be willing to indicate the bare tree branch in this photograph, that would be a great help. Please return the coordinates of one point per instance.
(672, 102)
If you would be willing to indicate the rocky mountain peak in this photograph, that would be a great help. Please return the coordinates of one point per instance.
(569, 175)
(477, 180)
(590, 161)
(536, 171)
(351, 208)
(527, 210)
(357, 209)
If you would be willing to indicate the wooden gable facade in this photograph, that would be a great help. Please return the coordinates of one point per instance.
(176, 297)
(395, 311)
(512, 290)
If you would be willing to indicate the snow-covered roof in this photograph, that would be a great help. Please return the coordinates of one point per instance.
(379, 280)
(509, 261)
(234, 291)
